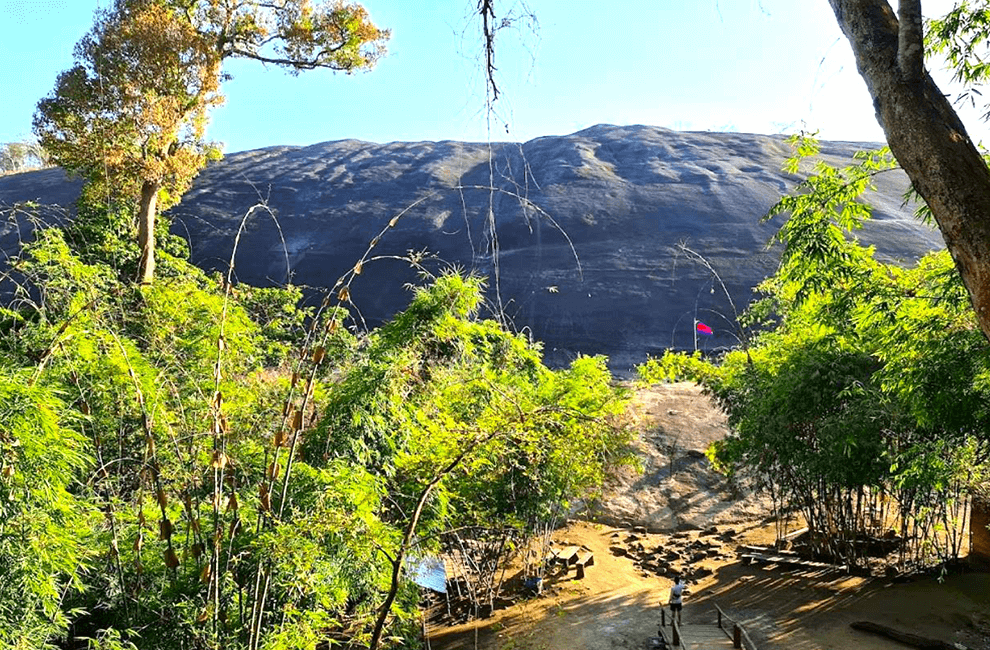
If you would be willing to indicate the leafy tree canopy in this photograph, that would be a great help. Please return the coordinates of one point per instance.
(864, 386)
(190, 465)
(22, 156)
(130, 116)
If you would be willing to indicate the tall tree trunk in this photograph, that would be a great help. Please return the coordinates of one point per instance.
(925, 134)
(147, 212)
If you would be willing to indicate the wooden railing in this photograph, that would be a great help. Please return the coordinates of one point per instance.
(677, 640)
(740, 638)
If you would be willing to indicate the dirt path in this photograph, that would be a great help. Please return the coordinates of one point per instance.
(616, 605)
(697, 520)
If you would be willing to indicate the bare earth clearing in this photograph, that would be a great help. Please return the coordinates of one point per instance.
(698, 520)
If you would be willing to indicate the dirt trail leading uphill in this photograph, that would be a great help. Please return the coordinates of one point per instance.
(616, 604)
(677, 488)
(697, 520)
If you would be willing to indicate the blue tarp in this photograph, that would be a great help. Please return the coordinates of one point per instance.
(427, 572)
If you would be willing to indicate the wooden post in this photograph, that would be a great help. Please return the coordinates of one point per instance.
(663, 617)
(719, 617)
(736, 636)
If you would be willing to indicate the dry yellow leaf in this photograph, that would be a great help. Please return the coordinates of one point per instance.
(219, 460)
(266, 503)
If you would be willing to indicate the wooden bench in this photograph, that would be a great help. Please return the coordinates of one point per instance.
(584, 560)
(791, 560)
(567, 556)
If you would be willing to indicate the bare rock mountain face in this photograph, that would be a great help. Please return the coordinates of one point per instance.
(580, 237)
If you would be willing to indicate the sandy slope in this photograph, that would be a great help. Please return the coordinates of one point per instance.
(616, 604)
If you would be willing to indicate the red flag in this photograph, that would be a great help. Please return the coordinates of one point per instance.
(703, 329)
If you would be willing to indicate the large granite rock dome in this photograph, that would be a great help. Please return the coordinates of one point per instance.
(590, 260)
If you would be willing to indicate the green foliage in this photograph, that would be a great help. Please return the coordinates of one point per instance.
(961, 36)
(174, 477)
(434, 382)
(130, 116)
(864, 383)
(45, 520)
(673, 367)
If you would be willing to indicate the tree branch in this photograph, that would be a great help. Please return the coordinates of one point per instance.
(487, 10)
(298, 64)
(410, 531)
(928, 140)
(910, 41)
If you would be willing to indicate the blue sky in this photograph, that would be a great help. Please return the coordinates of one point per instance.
(763, 66)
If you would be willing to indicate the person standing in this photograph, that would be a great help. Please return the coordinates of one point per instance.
(676, 601)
